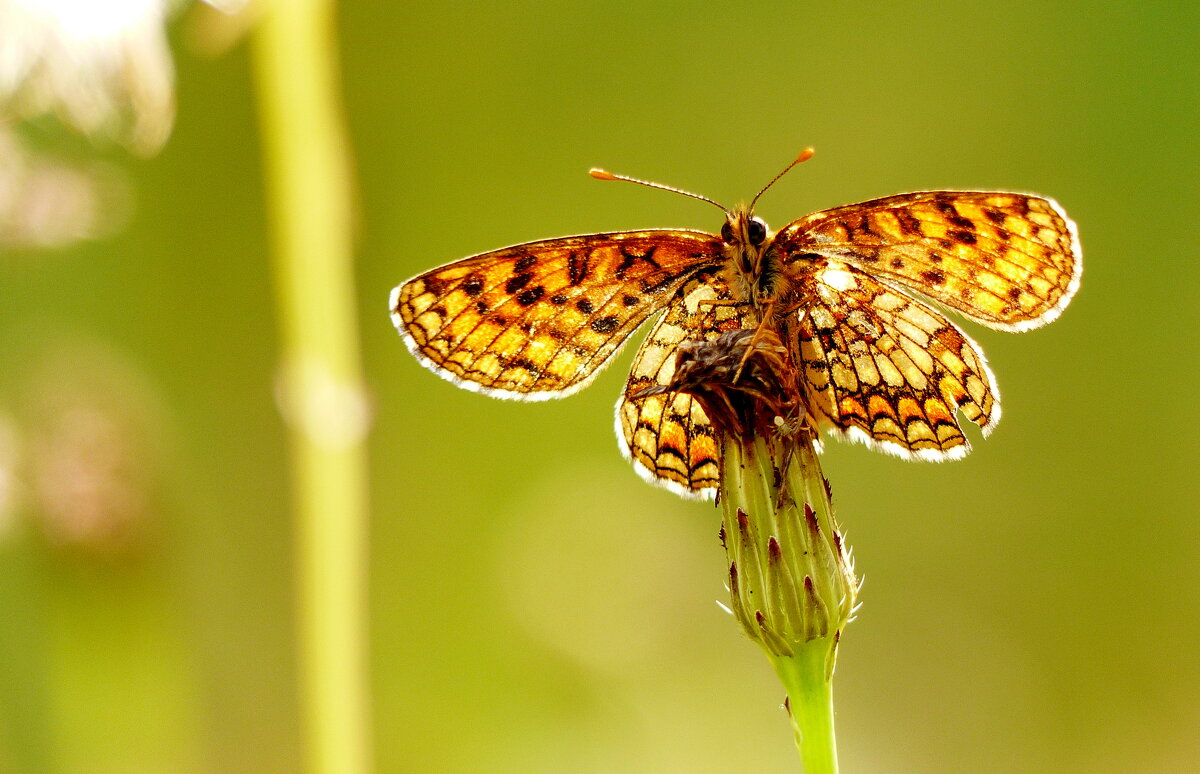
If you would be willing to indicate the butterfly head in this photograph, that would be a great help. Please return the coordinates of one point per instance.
(751, 268)
(743, 227)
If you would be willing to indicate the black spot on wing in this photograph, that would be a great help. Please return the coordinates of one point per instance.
(630, 257)
(435, 286)
(605, 324)
(934, 276)
(516, 282)
(473, 285)
(910, 225)
(577, 268)
(530, 296)
(524, 363)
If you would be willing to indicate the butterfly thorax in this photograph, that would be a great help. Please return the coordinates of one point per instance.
(753, 270)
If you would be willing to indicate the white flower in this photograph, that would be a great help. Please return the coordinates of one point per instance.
(102, 66)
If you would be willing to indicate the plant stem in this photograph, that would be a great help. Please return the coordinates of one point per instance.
(308, 188)
(809, 687)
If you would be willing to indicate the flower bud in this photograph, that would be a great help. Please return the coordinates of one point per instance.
(791, 578)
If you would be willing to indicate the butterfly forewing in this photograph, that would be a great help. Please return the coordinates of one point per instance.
(667, 436)
(887, 369)
(1006, 260)
(539, 320)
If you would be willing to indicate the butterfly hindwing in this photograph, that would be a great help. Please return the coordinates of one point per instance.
(889, 370)
(667, 436)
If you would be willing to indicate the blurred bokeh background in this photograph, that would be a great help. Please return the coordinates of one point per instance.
(534, 606)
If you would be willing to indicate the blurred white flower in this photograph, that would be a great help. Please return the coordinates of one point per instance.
(52, 202)
(103, 67)
(88, 484)
(92, 426)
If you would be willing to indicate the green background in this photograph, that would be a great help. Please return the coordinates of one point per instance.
(536, 607)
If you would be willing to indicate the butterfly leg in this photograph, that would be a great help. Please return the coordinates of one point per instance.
(766, 315)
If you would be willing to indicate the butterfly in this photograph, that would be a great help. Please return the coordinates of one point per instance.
(849, 289)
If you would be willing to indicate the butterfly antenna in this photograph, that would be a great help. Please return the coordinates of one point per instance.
(805, 155)
(602, 174)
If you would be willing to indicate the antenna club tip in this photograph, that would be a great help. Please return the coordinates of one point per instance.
(601, 174)
(806, 154)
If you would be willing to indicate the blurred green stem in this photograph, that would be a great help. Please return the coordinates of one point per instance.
(309, 190)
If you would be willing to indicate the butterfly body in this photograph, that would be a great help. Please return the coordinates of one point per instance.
(845, 288)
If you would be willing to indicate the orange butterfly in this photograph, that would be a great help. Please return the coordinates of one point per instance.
(879, 364)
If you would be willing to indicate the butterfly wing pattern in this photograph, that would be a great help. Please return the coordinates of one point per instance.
(883, 367)
(668, 437)
(539, 320)
(1008, 261)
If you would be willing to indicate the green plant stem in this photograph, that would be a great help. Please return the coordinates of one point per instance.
(308, 188)
(809, 687)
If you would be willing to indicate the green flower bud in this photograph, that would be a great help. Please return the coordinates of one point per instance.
(791, 578)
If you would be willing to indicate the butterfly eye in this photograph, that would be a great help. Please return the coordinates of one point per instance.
(727, 233)
(757, 231)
